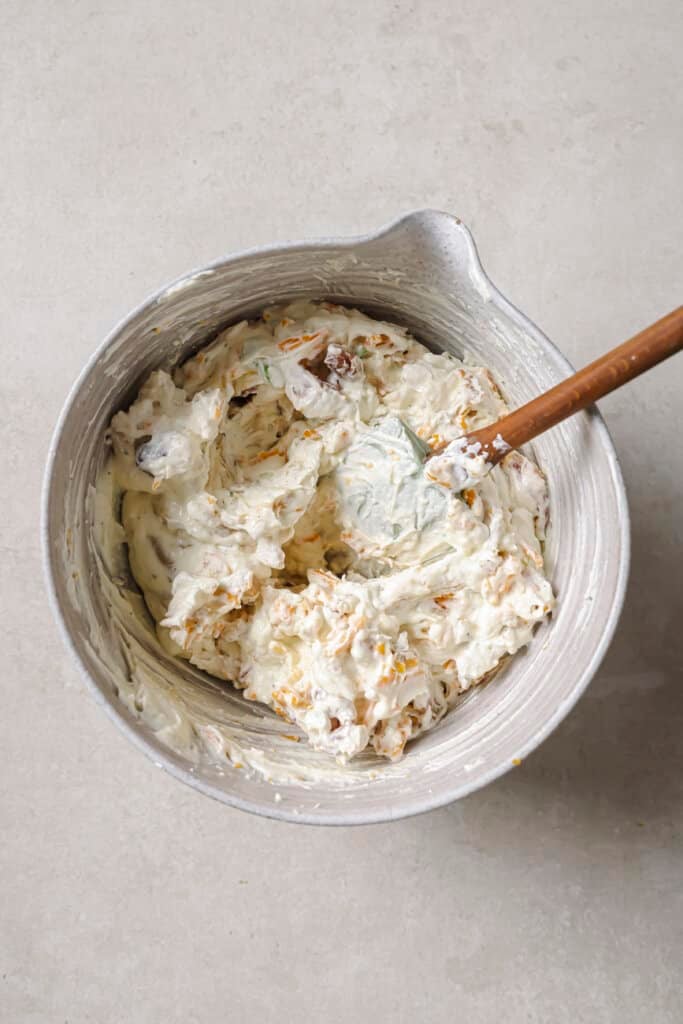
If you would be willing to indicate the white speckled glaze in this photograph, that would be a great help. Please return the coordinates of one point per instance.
(421, 271)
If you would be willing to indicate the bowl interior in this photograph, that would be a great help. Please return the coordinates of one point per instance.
(422, 272)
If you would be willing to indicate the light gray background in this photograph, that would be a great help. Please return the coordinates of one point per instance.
(140, 139)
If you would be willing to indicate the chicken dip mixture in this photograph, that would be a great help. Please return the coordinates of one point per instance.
(291, 536)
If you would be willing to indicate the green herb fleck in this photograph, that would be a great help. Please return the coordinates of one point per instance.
(265, 371)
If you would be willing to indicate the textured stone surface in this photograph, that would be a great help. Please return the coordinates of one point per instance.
(143, 139)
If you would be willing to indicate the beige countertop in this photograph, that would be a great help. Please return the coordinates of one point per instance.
(143, 139)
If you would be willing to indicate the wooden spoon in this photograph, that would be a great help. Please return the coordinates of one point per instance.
(656, 343)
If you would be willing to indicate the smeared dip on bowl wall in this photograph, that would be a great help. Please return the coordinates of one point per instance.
(287, 536)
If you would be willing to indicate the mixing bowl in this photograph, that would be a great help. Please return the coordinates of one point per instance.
(421, 271)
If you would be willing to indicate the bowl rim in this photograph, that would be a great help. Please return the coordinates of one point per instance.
(161, 756)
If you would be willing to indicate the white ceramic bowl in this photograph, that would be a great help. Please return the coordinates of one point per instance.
(421, 271)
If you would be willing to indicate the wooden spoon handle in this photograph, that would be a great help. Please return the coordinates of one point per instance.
(656, 343)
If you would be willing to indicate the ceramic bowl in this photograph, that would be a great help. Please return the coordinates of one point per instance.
(421, 271)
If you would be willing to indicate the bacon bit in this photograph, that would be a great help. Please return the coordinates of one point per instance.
(290, 344)
(344, 646)
(443, 599)
(312, 537)
(362, 708)
(342, 362)
(466, 416)
(494, 593)
(494, 386)
(377, 384)
(379, 340)
(469, 495)
(325, 575)
(273, 453)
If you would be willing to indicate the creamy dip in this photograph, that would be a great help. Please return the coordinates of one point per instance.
(290, 535)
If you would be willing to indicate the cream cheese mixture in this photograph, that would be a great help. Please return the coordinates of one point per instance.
(290, 536)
